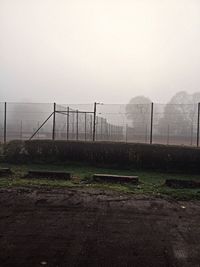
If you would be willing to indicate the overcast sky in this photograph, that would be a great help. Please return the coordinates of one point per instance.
(75, 51)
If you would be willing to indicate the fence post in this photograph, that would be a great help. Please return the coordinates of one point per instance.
(96, 128)
(198, 124)
(5, 121)
(67, 123)
(94, 121)
(151, 130)
(77, 124)
(85, 126)
(54, 121)
(73, 136)
(91, 126)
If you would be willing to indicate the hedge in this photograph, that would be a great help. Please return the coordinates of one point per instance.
(104, 153)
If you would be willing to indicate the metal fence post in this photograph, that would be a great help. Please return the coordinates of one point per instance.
(198, 124)
(54, 121)
(73, 136)
(94, 121)
(5, 121)
(96, 128)
(67, 123)
(85, 126)
(151, 129)
(76, 124)
(90, 133)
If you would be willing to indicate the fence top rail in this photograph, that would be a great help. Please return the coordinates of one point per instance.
(74, 111)
(26, 103)
(102, 104)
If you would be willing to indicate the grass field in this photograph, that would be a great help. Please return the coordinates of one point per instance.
(151, 183)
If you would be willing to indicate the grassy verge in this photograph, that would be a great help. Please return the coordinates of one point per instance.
(151, 183)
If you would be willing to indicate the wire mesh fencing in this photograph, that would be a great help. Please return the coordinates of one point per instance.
(23, 119)
(170, 124)
(176, 124)
(74, 122)
(131, 122)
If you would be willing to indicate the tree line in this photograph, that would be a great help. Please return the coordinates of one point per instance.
(179, 115)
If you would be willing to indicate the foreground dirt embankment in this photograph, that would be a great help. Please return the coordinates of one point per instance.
(80, 227)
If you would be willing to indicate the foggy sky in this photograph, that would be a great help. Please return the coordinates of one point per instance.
(79, 51)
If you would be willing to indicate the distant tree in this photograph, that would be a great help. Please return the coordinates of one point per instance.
(180, 113)
(138, 112)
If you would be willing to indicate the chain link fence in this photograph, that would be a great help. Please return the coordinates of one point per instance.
(74, 122)
(176, 124)
(170, 124)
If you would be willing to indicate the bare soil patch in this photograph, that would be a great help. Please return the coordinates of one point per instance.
(90, 227)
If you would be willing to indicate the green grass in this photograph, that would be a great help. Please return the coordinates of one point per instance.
(151, 183)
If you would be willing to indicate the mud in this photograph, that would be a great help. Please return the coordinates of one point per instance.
(87, 227)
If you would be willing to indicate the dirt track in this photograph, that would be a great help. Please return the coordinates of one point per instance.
(77, 227)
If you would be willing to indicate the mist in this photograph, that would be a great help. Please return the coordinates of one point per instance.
(108, 51)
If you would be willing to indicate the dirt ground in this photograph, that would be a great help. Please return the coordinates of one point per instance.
(87, 227)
